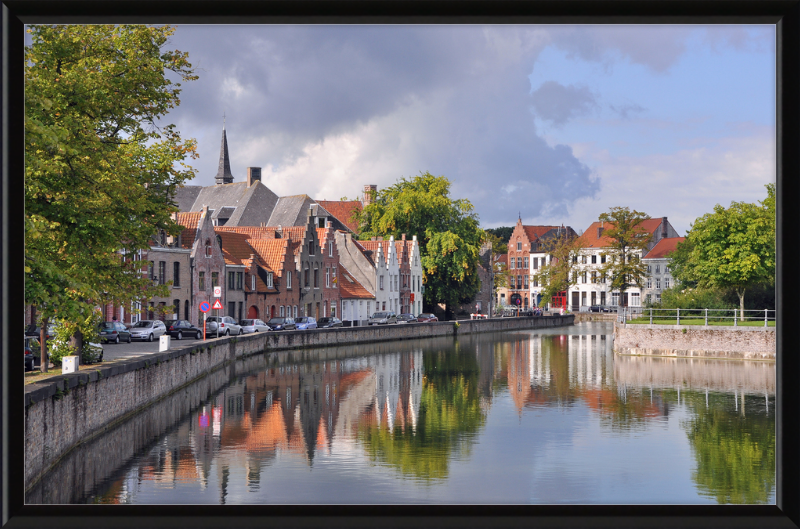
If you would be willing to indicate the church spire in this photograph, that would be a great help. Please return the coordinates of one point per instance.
(224, 175)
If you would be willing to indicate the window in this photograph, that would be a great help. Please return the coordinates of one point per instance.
(526, 281)
(666, 282)
(231, 280)
(583, 275)
(519, 246)
(594, 276)
(535, 263)
(176, 304)
(658, 267)
(306, 277)
(575, 259)
(583, 259)
(594, 259)
(269, 280)
(330, 248)
(511, 263)
(603, 279)
(151, 270)
(208, 248)
(649, 269)
(239, 280)
(253, 281)
(239, 317)
(316, 278)
(282, 311)
(602, 259)
(535, 281)
(666, 269)
(162, 272)
(232, 309)
(176, 274)
(381, 282)
(658, 283)
(526, 263)
(295, 311)
(201, 281)
(647, 297)
(289, 279)
(519, 282)
(649, 283)
(519, 262)
(310, 247)
(328, 277)
(214, 279)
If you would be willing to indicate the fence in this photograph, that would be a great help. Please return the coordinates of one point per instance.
(695, 316)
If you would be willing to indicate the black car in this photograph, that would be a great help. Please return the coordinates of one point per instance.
(28, 358)
(602, 308)
(180, 328)
(33, 349)
(113, 331)
(282, 324)
(33, 331)
(325, 323)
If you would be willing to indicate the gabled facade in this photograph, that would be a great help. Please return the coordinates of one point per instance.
(330, 261)
(592, 288)
(283, 297)
(358, 303)
(659, 276)
(523, 240)
(207, 268)
(387, 273)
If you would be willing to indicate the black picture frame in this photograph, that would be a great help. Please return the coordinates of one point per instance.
(16, 13)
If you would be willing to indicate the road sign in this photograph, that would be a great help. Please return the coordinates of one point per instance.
(204, 306)
(217, 292)
(217, 305)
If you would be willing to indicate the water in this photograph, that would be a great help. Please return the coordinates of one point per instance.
(532, 417)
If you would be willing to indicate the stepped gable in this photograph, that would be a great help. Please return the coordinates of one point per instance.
(343, 211)
(349, 287)
(664, 247)
(190, 222)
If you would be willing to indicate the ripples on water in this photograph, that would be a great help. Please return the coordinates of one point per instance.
(508, 418)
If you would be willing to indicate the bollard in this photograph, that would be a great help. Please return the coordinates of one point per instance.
(735, 319)
(765, 317)
(706, 317)
(679, 316)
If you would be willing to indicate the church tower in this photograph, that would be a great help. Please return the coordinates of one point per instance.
(224, 175)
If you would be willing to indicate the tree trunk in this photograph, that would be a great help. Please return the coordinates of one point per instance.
(76, 341)
(741, 304)
(43, 361)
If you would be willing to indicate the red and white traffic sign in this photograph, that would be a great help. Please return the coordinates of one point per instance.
(217, 305)
(217, 293)
(204, 306)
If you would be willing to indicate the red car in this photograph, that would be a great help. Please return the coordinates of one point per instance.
(422, 318)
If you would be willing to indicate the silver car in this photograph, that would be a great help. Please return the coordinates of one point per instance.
(250, 326)
(227, 326)
(148, 330)
(383, 318)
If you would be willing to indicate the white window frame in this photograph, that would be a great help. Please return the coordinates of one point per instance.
(328, 277)
(283, 311)
(253, 282)
(269, 280)
(289, 279)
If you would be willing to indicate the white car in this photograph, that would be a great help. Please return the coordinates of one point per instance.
(250, 326)
(227, 326)
(148, 330)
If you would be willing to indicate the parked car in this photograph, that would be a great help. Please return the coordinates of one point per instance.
(28, 356)
(406, 318)
(382, 318)
(305, 323)
(328, 322)
(282, 324)
(602, 308)
(113, 331)
(34, 330)
(426, 317)
(227, 326)
(250, 326)
(148, 330)
(180, 328)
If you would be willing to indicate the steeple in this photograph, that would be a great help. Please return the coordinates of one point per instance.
(224, 175)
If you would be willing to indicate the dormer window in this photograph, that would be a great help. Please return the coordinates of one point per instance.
(269, 280)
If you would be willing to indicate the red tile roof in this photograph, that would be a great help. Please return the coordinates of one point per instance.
(534, 232)
(268, 232)
(235, 248)
(664, 247)
(272, 252)
(350, 288)
(343, 210)
(590, 239)
(189, 221)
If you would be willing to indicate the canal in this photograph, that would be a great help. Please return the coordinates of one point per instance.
(525, 417)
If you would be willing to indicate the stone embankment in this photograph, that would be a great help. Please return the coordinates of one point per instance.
(67, 410)
(752, 343)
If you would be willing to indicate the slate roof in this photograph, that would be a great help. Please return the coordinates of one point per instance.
(343, 210)
(664, 247)
(350, 288)
(591, 240)
(190, 222)
(268, 232)
(291, 211)
(253, 204)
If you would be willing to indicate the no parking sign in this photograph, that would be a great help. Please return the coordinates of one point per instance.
(204, 306)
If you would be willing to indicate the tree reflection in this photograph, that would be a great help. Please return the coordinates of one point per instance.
(450, 415)
(735, 452)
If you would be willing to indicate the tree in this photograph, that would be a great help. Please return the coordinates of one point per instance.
(730, 248)
(447, 232)
(499, 246)
(503, 232)
(561, 272)
(100, 167)
(628, 240)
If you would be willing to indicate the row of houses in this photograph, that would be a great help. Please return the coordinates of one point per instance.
(527, 255)
(271, 256)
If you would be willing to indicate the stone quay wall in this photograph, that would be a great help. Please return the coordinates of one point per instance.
(752, 343)
(67, 410)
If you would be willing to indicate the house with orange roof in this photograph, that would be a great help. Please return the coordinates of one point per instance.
(594, 289)
(357, 301)
(657, 260)
(283, 297)
(523, 242)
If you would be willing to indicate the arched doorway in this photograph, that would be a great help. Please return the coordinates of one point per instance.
(272, 312)
(252, 312)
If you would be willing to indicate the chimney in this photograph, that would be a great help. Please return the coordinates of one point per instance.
(403, 236)
(373, 238)
(205, 210)
(369, 190)
(663, 227)
(599, 231)
(380, 238)
(253, 175)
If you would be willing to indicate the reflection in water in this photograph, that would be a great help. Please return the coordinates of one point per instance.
(533, 417)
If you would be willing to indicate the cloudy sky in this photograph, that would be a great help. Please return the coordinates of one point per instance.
(553, 123)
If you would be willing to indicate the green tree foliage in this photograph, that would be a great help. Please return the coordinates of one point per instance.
(100, 167)
(447, 231)
(561, 272)
(503, 233)
(499, 246)
(731, 248)
(450, 415)
(624, 267)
